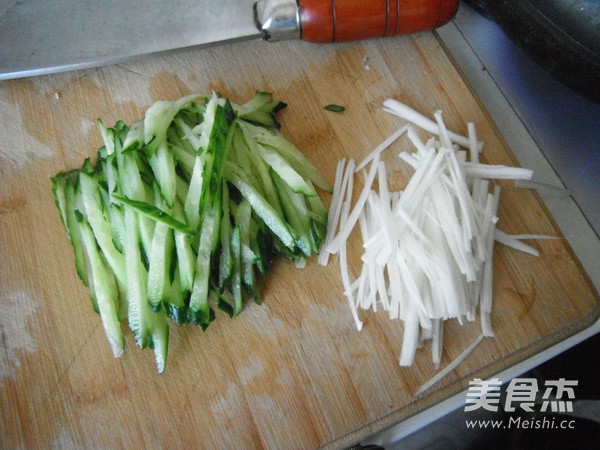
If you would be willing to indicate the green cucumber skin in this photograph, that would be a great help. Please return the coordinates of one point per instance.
(105, 289)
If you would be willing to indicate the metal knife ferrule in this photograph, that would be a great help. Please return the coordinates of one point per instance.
(278, 20)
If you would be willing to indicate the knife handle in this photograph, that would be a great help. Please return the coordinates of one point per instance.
(347, 20)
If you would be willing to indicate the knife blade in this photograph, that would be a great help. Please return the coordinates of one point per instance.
(41, 37)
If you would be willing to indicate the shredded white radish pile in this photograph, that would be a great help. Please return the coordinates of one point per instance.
(427, 249)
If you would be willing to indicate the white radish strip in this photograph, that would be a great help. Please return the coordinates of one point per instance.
(369, 300)
(334, 210)
(464, 198)
(424, 177)
(437, 342)
(381, 288)
(423, 336)
(450, 367)
(406, 219)
(344, 257)
(486, 226)
(347, 287)
(348, 187)
(410, 341)
(451, 230)
(407, 113)
(380, 205)
(345, 230)
(415, 300)
(381, 147)
(395, 289)
(362, 285)
(432, 143)
(486, 324)
(410, 159)
(364, 231)
(485, 302)
(385, 204)
(512, 242)
(497, 172)
(353, 286)
(415, 139)
(474, 148)
(444, 138)
(543, 187)
(373, 247)
(480, 192)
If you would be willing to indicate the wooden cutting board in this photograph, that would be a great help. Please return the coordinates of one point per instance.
(294, 372)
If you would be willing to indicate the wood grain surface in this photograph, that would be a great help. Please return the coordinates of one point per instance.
(293, 372)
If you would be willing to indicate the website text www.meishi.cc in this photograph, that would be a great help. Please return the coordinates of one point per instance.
(521, 423)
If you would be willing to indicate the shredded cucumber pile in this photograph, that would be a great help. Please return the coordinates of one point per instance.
(184, 210)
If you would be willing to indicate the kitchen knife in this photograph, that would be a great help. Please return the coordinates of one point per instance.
(40, 37)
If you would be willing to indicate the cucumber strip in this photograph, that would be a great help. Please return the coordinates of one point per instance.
(139, 311)
(184, 161)
(105, 288)
(115, 218)
(285, 171)
(261, 109)
(160, 263)
(317, 209)
(272, 219)
(296, 214)
(258, 166)
(186, 259)
(199, 298)
(160, 258)
(159, 116)
(109, 170)
(160, 340)
(65, 193)
(131, 168)
(215, 156)
(181, 189)
(287, 150)
(194, 195)
(207, 125)
(318, 224)
(163, 166)
(217, 206)
(59, 181)
(72, 209)
(156, 214)
(174, 304)
(225, 262)
(236, 272)
(224, 302)
(261, 247)
(150, 329)
(248, 274)
(185, 137)
(93, 205)
(107, 137)
(117, 225)
(243, 217)
(241, 155)
(134, 138)
(256, 103)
